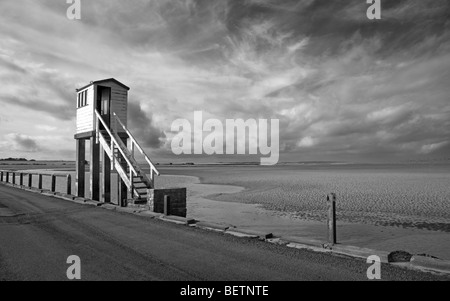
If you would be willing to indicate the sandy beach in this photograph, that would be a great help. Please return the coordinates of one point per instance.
(229, 205)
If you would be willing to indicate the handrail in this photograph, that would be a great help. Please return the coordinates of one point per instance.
(6, 175)
(35, 173)
(133, 140)
(115, 141)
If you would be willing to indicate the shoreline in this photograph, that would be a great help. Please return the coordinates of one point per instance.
(256, 217)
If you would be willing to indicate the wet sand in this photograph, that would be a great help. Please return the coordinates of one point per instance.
(255, 217)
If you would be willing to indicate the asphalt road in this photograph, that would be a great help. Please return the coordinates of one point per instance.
(38, 234)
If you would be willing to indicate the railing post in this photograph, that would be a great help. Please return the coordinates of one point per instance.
(97, 129)
(7, 177)
(1, 176)
(30, 180)
(53, 189)
(14, 178)
(69, 184)
(331, 203)
(113, 156)
(39, 181)
(131, 185)
(21, 179)
(166, 205)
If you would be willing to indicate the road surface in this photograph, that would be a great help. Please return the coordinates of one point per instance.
(38, 233)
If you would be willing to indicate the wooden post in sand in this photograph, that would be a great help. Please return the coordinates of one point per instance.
(166, 205)
(53, 189)
(39, 181)
(69, 185)
(331, 223)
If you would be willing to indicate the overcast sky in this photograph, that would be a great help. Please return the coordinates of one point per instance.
(344, 87)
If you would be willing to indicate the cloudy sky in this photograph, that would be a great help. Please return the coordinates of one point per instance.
(343, 87)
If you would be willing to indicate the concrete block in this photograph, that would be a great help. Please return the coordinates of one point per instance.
(177, 201)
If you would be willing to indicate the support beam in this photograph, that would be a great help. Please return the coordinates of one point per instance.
(123, 189)
(94, 166)
(106, 177)
(123, 192)
(80, 171)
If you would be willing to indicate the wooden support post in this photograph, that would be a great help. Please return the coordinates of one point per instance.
(1, 176)
(80, 168)
(30, 180)
(331, 203)
(40, 182)
(166, 205)
(53, 187)
(123, 193)
(123, 189)
(14, 178)
(7, 177)
(106, 177)
(95, 170)
(21, 179)
(69, 185)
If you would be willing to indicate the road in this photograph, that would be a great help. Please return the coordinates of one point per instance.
(38, 233)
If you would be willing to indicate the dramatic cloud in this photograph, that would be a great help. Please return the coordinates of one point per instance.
(19, 143)
(344, 87)
(142, 127)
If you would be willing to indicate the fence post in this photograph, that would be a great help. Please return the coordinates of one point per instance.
(69, 184)
(30, 180)
(331, 203)
(14, 178)
(166, 205)
(53, 183)
(1, 176)
(21, 179)
(39, 181)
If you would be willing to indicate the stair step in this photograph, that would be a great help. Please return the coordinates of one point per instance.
(141, 187)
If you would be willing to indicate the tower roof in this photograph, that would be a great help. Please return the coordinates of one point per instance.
(104, 81)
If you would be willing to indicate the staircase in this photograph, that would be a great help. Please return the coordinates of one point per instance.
(123, 160)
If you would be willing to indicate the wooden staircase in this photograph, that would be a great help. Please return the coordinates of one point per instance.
(123, 160)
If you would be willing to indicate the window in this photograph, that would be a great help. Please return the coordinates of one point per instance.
(82, 99)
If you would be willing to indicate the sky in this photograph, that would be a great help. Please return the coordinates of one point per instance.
(345, 88)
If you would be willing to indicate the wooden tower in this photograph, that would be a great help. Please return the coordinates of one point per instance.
(102, 119)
